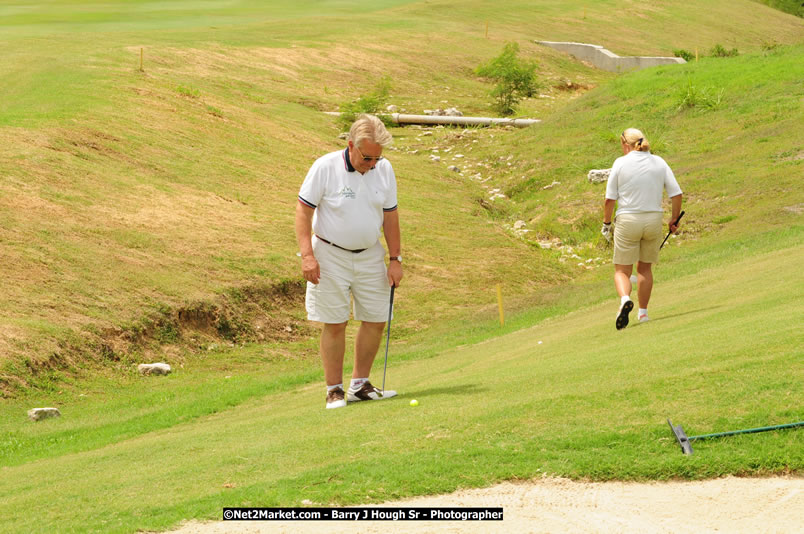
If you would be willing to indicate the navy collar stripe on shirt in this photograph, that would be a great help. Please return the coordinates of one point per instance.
(348, 163)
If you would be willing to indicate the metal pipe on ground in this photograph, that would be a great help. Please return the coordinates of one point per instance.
(400, 118)
(449, 120)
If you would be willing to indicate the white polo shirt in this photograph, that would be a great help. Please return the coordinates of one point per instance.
(637, 181)
(349, 206)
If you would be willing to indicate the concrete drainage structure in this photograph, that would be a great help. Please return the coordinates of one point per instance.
(607, 60)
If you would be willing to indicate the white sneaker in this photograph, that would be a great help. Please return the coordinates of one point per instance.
(644, 318)
(368, 392)
(335, 399)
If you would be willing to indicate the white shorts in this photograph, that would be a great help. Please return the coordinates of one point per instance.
(362, 275)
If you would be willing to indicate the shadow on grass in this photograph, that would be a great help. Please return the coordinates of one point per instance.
(465, 389)
(665, 317)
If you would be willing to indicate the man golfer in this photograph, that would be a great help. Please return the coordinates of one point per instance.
(347, 198)
(636, 183)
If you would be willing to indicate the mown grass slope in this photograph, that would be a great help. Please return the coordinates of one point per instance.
(133, 199)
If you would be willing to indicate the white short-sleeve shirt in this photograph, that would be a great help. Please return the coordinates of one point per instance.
(637, 181)
(349, 206)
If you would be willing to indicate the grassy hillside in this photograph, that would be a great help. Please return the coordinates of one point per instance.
(794, 7)
(729, 127)
(148, 214)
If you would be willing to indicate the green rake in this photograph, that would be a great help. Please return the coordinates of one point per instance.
(685, 442)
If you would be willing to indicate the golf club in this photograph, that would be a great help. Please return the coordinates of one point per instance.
(388, 337)
(680, 215)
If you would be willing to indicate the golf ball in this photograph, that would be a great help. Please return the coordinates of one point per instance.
(414, 402)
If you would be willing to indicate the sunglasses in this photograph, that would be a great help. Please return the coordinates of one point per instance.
(368, 158)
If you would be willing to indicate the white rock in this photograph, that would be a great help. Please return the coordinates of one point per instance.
(454, 168)
(158, 368)
(519, 224)
(37, 414)
(435, 158)
(551, 185)
(392, 109)
(598, 176)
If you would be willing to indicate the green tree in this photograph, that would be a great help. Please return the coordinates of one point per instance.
(516, 78)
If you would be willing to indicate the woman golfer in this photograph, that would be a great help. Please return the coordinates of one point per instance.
(636, 183)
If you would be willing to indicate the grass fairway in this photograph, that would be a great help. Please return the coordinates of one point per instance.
(148, 215)
(723, 352)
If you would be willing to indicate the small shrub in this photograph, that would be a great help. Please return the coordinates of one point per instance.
(370, 103)
(684, 54)
(769, 46)
(719, 51)
(191, 92)
(516, 78)
(703, 99)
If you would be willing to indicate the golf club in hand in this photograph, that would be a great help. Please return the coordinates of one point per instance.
(680, 215)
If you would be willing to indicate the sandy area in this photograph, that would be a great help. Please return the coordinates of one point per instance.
(729, 505)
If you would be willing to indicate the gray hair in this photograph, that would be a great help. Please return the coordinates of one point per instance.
(371, 128)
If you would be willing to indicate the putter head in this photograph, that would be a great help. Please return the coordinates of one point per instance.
(681, 437)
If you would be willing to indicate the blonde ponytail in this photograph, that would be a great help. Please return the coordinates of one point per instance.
(635, 139)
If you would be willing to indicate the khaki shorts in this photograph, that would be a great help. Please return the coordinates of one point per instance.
(345, 274)
(637, 236)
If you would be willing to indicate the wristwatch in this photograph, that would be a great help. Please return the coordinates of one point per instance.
(395, 258)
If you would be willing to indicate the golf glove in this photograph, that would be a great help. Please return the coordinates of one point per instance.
(607, 231)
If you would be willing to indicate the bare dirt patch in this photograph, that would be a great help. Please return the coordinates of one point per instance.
(728, 504)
